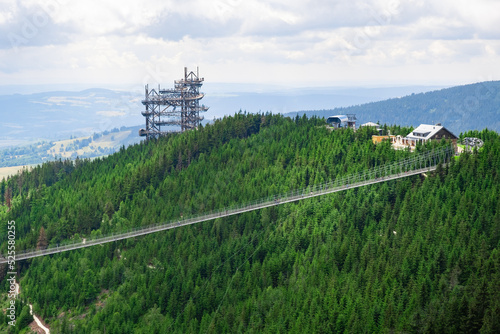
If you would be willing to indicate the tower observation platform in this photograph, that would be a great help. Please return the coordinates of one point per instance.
(178, 108)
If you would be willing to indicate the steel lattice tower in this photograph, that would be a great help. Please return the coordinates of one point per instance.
(179, 106)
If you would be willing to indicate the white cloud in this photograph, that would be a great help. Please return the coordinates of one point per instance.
(104, 41)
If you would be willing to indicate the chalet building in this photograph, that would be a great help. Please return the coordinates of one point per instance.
(422, 134)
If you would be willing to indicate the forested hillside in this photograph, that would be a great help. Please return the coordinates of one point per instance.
(415, 255)
(459, 109)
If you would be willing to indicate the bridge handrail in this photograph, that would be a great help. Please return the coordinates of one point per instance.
(406, 167)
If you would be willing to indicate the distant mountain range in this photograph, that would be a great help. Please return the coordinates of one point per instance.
(51, 116)
(227, 100)
(58, 115)
(461, 108)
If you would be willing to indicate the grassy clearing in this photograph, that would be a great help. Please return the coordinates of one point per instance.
(9, 171)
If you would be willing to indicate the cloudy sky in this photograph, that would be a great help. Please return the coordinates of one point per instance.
(285, 42)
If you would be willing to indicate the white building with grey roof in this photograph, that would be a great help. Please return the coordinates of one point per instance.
(424, 133)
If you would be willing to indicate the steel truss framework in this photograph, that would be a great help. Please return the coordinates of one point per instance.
(178, 107)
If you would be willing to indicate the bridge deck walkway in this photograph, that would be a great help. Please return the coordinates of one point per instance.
(257, 205)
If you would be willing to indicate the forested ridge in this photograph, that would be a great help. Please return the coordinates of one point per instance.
(460, 108)
(414, 255)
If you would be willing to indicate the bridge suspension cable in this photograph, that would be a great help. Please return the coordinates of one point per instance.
(424, 162)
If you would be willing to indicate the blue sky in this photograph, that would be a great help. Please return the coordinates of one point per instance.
(96, 43)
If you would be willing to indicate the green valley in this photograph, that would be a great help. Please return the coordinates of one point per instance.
(99, 144)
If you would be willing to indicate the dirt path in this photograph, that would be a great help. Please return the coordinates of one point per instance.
(37, 320)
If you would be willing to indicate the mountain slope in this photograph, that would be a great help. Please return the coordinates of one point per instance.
(462, 108)
(99, 144)
(59, 115)
(420, 254)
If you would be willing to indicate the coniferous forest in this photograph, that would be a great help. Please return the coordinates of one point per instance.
(415, 255)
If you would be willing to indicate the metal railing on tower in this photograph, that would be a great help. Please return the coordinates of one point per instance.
(173, 110)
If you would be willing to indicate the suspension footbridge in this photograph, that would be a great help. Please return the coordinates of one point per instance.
(416, 164)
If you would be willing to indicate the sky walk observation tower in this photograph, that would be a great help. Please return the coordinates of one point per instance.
(173, 110)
